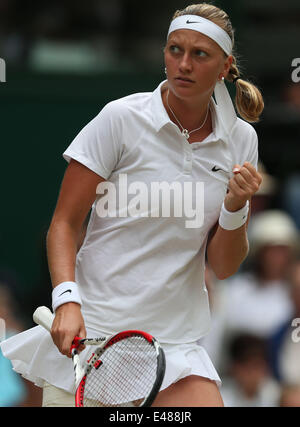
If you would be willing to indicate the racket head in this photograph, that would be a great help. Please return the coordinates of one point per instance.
(127, 371)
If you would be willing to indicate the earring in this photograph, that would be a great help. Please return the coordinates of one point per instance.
(165, 70)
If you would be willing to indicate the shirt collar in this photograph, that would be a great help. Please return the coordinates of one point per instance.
(160, 116)
(159, 113)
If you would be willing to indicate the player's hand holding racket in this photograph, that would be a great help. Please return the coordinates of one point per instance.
(125, 369)
(67, 324)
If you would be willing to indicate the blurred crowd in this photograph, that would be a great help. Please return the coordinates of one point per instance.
(91, 36)
(14, 390)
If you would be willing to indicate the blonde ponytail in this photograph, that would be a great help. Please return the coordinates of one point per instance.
(248, 99)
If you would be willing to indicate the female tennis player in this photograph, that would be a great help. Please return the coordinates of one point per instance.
(138, 268)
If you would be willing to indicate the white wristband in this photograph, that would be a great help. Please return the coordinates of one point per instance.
(233, 220)
(65, 292)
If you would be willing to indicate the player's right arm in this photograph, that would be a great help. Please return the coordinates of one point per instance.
(77, 194)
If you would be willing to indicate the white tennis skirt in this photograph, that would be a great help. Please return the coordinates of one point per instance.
(36, 358)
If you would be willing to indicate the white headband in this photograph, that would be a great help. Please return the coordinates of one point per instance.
(204, 26)
(212, 30)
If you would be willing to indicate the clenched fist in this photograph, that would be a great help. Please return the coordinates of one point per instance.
(242, 186)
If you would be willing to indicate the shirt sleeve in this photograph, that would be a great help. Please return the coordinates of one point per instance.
(98, 145)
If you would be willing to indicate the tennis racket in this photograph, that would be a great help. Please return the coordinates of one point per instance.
(124, 369)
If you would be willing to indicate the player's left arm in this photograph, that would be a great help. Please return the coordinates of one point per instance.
(227, 249)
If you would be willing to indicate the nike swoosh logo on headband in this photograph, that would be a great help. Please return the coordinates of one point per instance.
(193, 22)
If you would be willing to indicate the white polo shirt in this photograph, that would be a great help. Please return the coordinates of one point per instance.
(146, 271)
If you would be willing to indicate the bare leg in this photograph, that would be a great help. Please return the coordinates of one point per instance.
(188, 392)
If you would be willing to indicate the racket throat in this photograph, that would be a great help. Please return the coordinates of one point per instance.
(79, 372)
(79, 395)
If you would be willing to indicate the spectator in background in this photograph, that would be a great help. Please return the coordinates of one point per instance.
(263, 198)
(14, 390)
(249, 382)
(291, 188)
(260, 298)
(285, 343)
(291, 99)
(291, 197)
(256, 300)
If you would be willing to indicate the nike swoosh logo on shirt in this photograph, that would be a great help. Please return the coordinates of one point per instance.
(215, 169)
(69, 290)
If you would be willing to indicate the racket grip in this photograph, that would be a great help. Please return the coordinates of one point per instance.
(44, 317)
(75, 343)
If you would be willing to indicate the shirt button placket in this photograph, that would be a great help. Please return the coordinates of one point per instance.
(188, 160)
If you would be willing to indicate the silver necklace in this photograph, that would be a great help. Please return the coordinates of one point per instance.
(184, 131)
